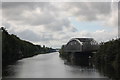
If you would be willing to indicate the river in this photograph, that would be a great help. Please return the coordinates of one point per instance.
(49, 66)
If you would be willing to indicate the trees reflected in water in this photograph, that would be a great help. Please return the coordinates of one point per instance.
(87, 64)
(109, 71)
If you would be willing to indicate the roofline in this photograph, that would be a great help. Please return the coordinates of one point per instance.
(76, 40)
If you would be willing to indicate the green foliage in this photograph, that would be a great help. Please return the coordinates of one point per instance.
(109, 53)
(13, 48)
(62, 53)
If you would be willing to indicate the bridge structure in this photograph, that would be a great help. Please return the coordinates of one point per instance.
(80, 45)
(80, 49)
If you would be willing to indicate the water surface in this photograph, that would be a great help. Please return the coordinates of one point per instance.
(49, 66)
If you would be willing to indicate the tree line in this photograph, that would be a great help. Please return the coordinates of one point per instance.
(108, 54)
(13, 48)
(107, 59)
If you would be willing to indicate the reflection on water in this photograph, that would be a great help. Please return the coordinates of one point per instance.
(86, 64)
(50, 66)
(10, 70)
(109, 71)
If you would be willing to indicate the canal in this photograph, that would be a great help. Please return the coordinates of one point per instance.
(49, 66)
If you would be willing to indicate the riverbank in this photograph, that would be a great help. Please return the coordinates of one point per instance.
(14, 48)
(49, 66)
(108, 53)
(107, 58)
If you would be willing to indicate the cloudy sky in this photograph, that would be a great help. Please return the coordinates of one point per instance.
(55, 23)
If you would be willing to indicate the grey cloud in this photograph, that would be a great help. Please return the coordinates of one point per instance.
(32, 36)
(24, 5)
(90, 10)
(56, 24)
(14, 11)
(6, 25)
(29, 35)
(39, 19)
(101, 7)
